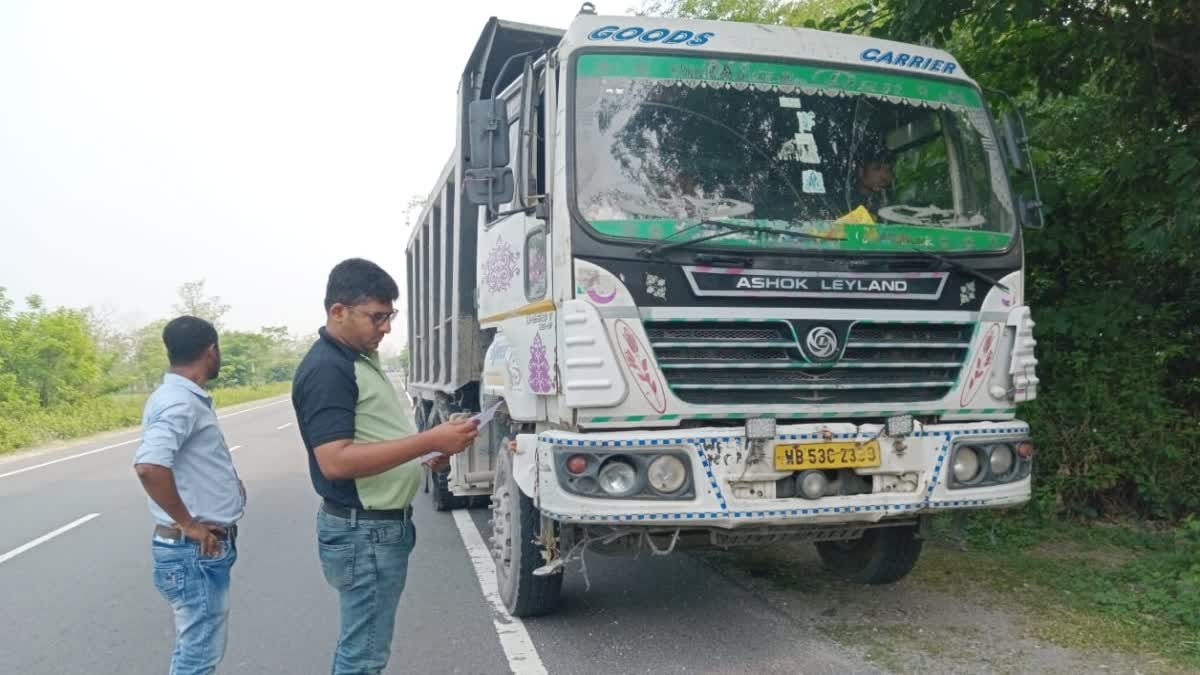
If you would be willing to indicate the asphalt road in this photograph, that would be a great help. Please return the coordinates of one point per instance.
(76, 593)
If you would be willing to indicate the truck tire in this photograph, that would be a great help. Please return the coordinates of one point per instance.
(443, 498)
(515, 524)
(419, 416)
(881, 556)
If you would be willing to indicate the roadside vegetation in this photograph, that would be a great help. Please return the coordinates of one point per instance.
(67, 373)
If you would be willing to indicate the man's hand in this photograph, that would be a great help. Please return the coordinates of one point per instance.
(206, 535)
(437, 463)
(451, 438)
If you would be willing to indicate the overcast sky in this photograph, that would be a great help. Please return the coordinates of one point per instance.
(251, 144)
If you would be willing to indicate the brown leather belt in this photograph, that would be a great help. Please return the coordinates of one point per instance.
(363, 514)
(175, 535)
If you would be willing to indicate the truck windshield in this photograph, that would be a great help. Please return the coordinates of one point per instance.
(868, 161)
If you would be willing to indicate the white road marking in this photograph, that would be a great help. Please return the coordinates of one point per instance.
(281, 427)
(67, 459)
(522, 656)
(46, 537)
(257, 407)
(124, 443)
(235, 448)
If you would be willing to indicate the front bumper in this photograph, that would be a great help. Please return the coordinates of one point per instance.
(730, 492)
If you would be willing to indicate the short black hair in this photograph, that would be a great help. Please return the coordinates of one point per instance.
(875, 149)
(186, 339)
(354, 281)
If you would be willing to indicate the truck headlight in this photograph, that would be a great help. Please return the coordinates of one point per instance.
(966, 464)
(667, 474)
(618, 478)
(1001, 460)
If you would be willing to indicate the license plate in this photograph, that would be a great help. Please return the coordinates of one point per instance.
(802, 456)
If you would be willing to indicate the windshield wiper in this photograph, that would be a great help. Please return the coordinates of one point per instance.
(730, 228)
(961, 267)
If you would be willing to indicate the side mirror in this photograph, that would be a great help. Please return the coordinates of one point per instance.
(489, 187)
(488, 179)
(487, 122)
(1030, 212)
(1014, 146)
(1014, 142)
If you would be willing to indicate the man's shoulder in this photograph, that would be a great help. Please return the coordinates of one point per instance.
(323, 367)
(169, 397)
(323, 356)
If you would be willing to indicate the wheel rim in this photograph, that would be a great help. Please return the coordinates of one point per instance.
(502, 519)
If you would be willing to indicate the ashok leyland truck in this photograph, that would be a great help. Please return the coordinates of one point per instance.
(722, 284)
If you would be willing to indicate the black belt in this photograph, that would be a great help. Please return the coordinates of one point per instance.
(176, 535)
(350, 513)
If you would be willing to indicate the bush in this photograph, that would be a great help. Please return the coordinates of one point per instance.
(32, 426)
(1109, 435)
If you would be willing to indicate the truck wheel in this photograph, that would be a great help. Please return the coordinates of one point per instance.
(419, 416)
(515, 524)
(882, 556)
(443, 498)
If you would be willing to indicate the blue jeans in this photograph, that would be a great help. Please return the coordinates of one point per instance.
(366, 562)
(198, 590)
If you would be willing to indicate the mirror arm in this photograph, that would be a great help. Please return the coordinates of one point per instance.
(492, 124)
(1023, 145)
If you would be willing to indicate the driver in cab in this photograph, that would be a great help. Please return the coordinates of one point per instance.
(873, 179)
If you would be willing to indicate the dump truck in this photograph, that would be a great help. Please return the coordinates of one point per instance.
(722, 284)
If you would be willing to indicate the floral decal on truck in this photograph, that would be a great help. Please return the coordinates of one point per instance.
(539, 367)
(980, 366)
(638, 360)
(501, 267)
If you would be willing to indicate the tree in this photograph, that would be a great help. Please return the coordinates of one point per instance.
(12, 396)
(193, 302)
(809, 13)
(49, 355)
(147, 358)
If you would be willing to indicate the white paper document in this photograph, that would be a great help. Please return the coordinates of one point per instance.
(481, 420)
(485, 417)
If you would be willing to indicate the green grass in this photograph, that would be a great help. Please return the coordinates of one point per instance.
(223, 398)
(102, 414)
(1130, 586)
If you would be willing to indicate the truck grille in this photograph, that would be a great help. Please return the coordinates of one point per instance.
(760, 362)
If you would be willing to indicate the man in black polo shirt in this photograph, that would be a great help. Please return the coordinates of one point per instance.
(362, 461)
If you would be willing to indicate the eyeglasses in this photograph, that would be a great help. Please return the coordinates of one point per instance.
(380, 319)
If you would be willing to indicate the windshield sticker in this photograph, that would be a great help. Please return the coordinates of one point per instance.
(802, 148)
(814, 182)
(785, 78)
